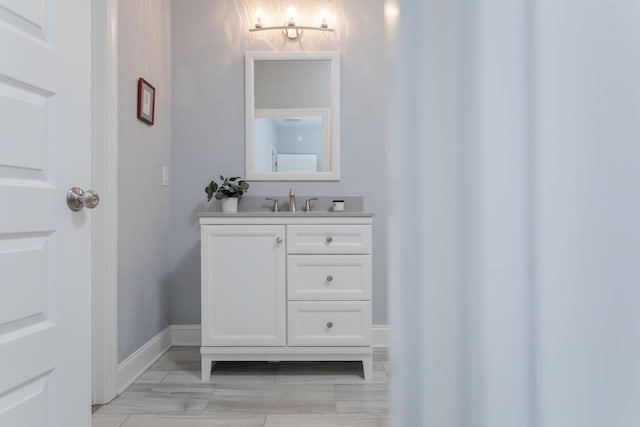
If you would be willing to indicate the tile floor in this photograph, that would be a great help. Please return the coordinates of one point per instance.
(251, 394)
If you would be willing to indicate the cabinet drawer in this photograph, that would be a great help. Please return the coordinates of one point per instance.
(329, 239)
(329, 323)
(329, 277)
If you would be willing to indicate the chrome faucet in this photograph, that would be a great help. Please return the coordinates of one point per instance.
(292, 200)
(276, 207)
(307, 204)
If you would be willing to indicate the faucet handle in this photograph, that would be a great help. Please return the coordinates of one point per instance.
(276, 206)
(307, 204)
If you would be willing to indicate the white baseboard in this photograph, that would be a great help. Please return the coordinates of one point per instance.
(189, 335)
(380, 336)
(133, 366)
(185, 335)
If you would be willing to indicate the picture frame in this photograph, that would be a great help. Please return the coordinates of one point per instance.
(146, 101)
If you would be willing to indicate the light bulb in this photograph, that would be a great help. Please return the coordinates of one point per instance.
(325, 16)
(291, 13)
(259, 16)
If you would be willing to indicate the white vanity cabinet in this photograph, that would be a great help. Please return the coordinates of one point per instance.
(294, 287)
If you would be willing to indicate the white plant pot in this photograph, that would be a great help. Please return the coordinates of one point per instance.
(230, 205)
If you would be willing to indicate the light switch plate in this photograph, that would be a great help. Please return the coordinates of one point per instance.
(165, 176)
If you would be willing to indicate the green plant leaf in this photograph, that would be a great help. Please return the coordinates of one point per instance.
(210, 190)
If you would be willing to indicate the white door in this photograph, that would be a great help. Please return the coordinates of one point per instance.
(45, 248)
(243, 285)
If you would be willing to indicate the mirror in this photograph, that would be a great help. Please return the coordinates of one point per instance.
(292, 116)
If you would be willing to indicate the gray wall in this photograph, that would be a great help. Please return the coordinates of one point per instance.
(209, 41)
(144, 30)
(311, 142)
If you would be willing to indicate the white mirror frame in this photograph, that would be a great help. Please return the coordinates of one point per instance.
(333, 148)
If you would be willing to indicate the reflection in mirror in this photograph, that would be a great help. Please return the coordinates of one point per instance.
(292, 116)
(291, 140)
(292, 84)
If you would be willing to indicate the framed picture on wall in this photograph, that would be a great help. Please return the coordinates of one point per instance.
(146, 101)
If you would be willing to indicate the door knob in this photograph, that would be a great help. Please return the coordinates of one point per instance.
(279, 240)
(77, 199)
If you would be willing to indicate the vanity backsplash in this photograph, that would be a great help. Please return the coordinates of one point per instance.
(323, 204)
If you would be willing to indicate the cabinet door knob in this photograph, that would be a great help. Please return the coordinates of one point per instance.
(329, 239)
(278, 240)
(329, 325)
(329, 278)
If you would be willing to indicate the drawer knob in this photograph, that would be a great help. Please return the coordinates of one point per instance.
(329, 325)
(329, 239)
(278, 240)
(329, 278)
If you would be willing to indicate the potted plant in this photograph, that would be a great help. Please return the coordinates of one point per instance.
(227, 192)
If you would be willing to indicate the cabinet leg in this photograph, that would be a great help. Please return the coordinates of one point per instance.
(207, 365)
(367, 367)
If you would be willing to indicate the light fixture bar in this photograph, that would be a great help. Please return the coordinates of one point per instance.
(291, 32)
(291, 27)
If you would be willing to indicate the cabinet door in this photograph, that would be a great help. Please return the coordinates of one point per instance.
(243, 285)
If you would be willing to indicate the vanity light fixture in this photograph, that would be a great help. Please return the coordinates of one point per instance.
(291, 31)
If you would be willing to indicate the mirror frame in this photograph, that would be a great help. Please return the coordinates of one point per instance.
(334, 117)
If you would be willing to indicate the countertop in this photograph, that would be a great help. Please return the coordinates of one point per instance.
(285, 214)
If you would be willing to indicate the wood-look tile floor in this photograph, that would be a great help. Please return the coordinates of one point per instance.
(251, 394)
